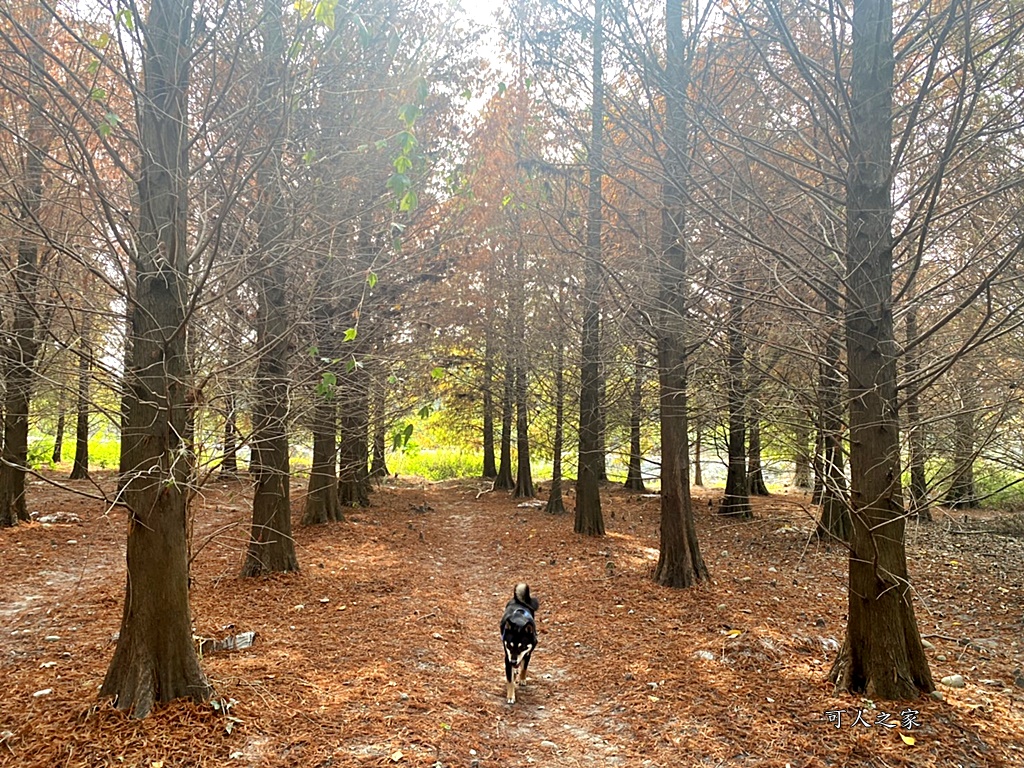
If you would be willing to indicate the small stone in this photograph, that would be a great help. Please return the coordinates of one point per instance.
(705, 655)
(52, 638)
(721, 606)
(941, 657)
(403, 697)
(549, 744)
(953, 681)
(1019, 680)
(772, 569)
(937, 695)
(927, 646)
(44, 692)
(48, 665)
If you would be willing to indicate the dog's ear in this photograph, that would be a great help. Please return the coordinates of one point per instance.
(531, 628)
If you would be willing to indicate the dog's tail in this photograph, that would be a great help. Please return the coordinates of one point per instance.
(522, 595)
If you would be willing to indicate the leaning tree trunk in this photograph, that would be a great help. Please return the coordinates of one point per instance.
(588, 519)
(80, 469)
(556, 502)
(155, 659)
(680, 563)
(271, 547)
(736, 500)
(504, 479)
(634, 475)
(22, 345)
(882, 656)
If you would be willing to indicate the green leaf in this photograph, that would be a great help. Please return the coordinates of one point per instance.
(94, 67)
(371, 280)
(467, 94)
(308, 157)
(409, 201)
(506, 200)
(437, 373)
(104, 129)
(350, 334)
(408, 113)
(313, 351)
(424, 412)
(112, 119)
(407, 139)
(398, 183)
(97, 94)
(392, 379)
(402, 164)
(350, 366)
(502, 88)
(124, 17)
(102, 41)
(324, 13)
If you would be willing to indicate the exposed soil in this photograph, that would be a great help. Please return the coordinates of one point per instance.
(384, 649)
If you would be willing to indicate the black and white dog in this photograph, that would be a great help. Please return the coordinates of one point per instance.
(519, 636)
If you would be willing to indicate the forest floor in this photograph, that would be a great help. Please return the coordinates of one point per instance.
(384, 648)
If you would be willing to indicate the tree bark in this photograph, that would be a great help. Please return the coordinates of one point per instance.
(504, 479)
(322, 503)
(378, 461)
(271, 547)
(755, 471)
(353, 474)
(556, 502)
(80, 468)
(962, 494)
(23, 344)
(680, 563)
(229, 463)
(634, 474)
(490, 467)
(882, 656)
(835, 521)
(588, 519)
(58, 439)
(736, 500)
(802, 459)
(524, 474)
(915, 428)
(155, 659)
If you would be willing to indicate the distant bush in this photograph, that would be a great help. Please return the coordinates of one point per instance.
(437, 464)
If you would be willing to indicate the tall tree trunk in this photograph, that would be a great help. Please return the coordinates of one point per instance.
(556, 502)
(962, 493)
(58, 439)
(736, 500)
(353, 475)
(634, 475)
(835, 521)
(322, 502)
(818, 461)
(22, 346)
(524, 475)
(80, 469)
(802, 458)
(882, 656)
(588, 519)
(271, 547)
(155, 659)
(755, 470)
(490, 467)
(680, 563)
(698, 477)
(504, 479)
(915, 427)
(229, 463)
(379, 423)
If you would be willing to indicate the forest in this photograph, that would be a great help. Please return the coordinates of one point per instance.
(323, 324)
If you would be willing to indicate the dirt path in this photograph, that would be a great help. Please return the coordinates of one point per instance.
(384, 649)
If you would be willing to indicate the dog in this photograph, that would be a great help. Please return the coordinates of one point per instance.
(519, 636)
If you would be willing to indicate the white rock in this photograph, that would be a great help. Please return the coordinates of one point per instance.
(44, 692)
(953, 681)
